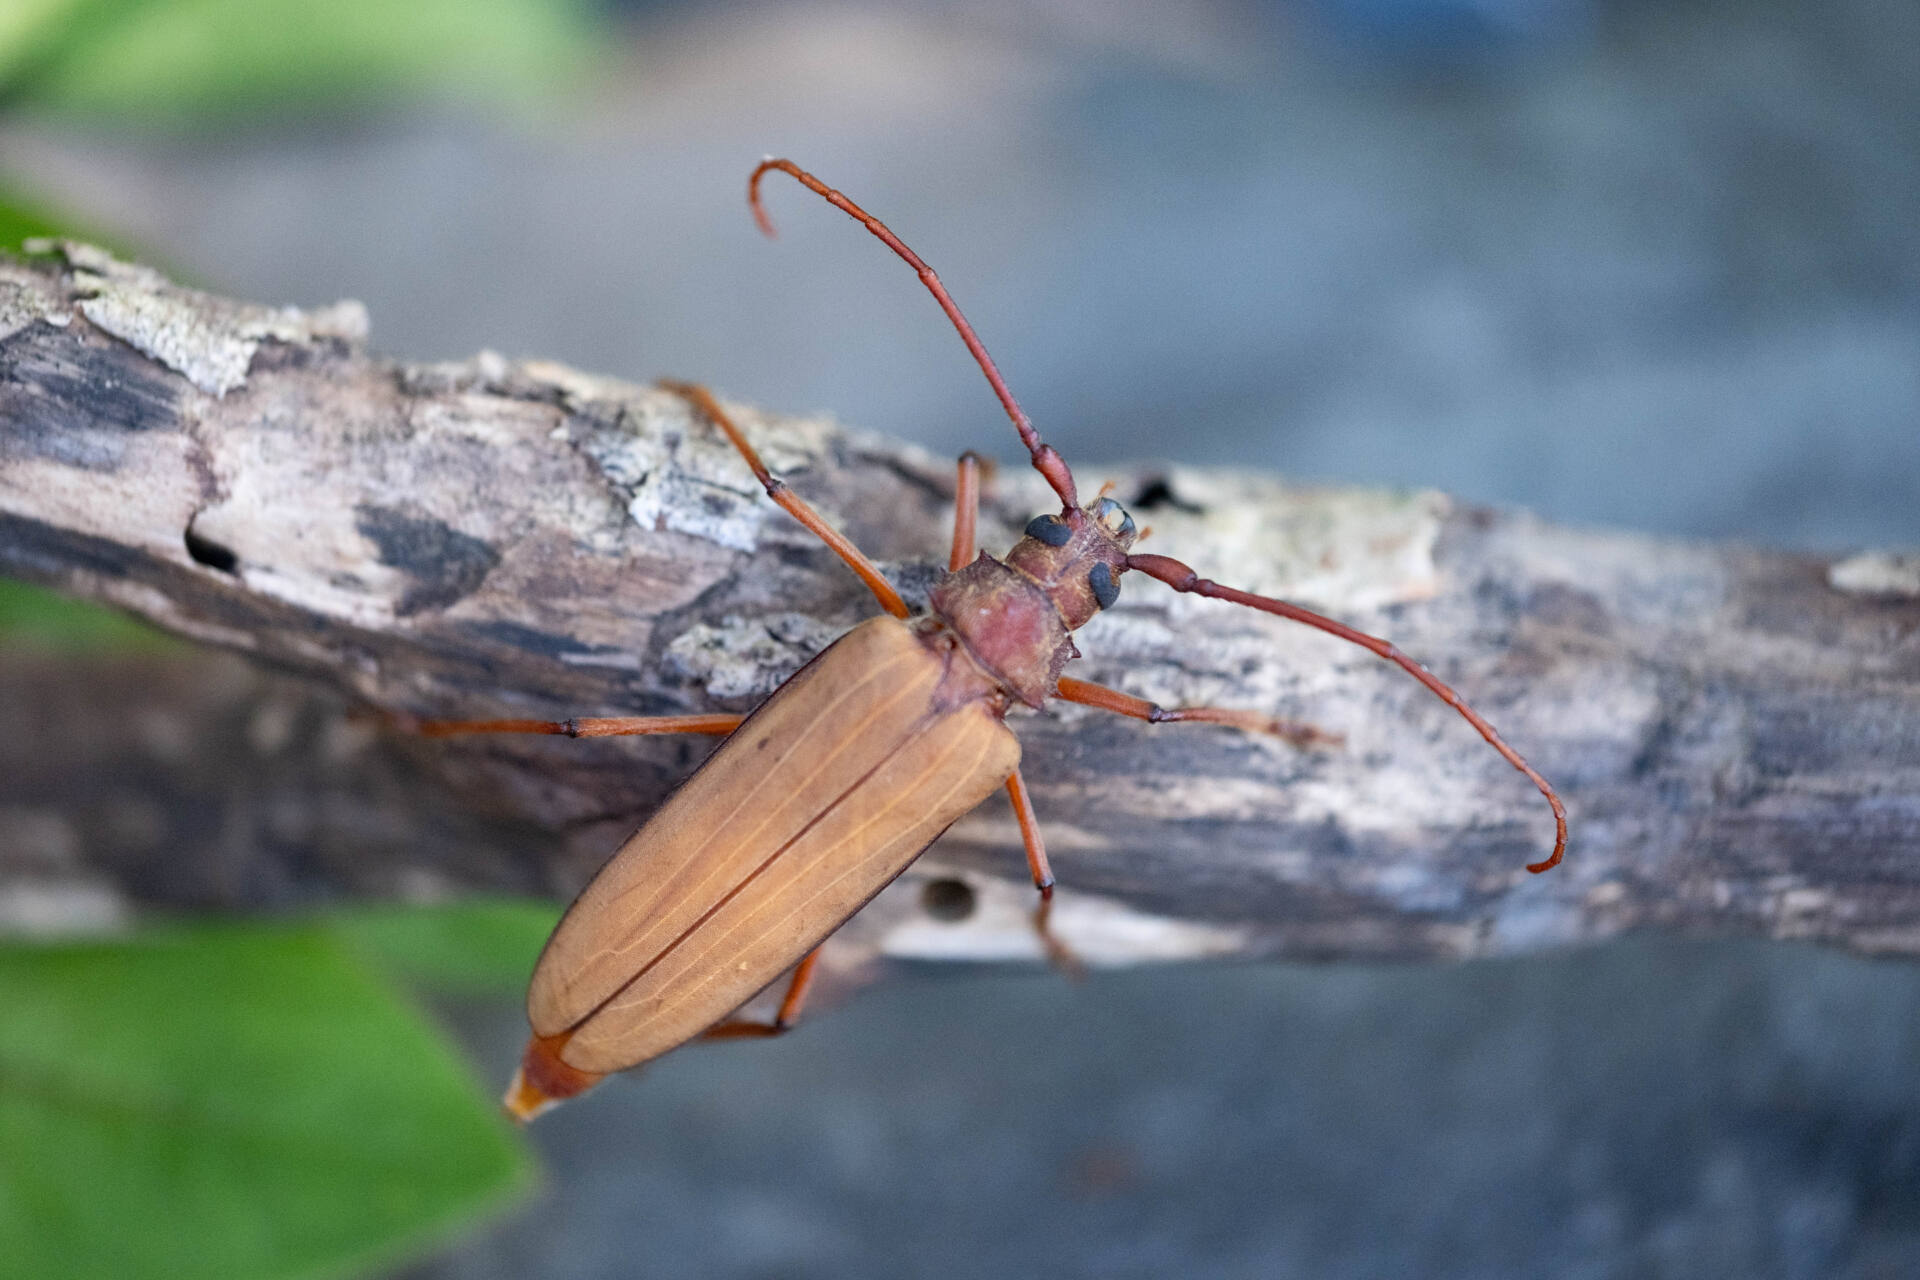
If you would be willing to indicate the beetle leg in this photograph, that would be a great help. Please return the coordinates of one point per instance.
(703, 402)
(966, 511)
(1058, 954)
(1098, 695)
(783, 1021)
(578, 727)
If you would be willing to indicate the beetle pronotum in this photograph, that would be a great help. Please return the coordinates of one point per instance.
(826, 792)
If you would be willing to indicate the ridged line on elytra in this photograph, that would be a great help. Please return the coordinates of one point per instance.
(672, 888)
(748, 879)
(693, 961)
(697, 872)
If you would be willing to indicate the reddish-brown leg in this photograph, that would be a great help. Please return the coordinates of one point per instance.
(789, 1013)
(1058, 953)
(579, 727)
(966, 511)
(702, 400)
(1182, 577)
(1098, 695)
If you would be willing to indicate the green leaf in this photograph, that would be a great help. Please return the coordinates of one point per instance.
(229, 1101)
(28, 29)
(183, 57)
(481, 946)
(34, 617)
(18, 222)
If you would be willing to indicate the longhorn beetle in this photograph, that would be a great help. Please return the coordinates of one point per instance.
(827, 791)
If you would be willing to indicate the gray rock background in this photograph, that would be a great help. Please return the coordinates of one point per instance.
(1635, 264)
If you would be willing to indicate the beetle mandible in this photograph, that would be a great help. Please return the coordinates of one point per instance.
(826, 792)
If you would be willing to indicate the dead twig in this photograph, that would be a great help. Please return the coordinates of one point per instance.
(1737, 732)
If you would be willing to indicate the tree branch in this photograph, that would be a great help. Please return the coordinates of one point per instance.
(1737, 732)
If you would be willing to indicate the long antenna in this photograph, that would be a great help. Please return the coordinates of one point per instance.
(1046, 460)
(1182, 578)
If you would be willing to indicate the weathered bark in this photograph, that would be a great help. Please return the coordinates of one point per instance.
(1737, 732)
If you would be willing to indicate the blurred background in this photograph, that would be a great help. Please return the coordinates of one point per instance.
(1625, 263)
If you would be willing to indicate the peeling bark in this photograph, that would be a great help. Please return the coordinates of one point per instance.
(1736, 732)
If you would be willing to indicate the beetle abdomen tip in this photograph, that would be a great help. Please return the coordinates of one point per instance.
(543, 1081)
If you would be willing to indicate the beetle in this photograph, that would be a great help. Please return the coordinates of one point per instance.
(839, 780)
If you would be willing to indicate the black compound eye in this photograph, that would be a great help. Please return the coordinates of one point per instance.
(1105, 589)
(1051, 530)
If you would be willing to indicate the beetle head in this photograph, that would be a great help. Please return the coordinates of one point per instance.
(1077, 557)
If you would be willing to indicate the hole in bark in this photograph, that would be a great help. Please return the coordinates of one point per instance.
(1157, 493)
(210, 553)
(948, 900)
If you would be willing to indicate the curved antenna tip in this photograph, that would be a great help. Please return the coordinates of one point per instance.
(1552, 860)
(760, 217)
(1046, 459)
